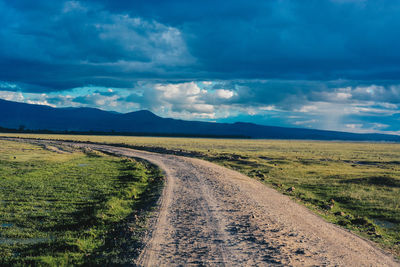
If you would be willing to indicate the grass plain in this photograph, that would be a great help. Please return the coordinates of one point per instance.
(62, 209)
(353, 184)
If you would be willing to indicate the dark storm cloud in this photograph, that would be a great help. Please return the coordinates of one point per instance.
(284, 39)
(70, 44)
(56, 45)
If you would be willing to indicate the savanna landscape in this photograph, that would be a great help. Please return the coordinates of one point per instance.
(200, 133)
(353, 185)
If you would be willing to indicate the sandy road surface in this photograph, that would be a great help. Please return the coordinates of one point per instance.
(213, 216)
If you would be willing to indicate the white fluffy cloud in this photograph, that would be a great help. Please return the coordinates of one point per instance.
(222, 93)
(184, 98)
(12, 96)
(37, 99)
(348, 108)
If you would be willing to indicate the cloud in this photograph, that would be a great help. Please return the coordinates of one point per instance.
(56, 45)
(378, 93)
(37, 99)
(73, 44)
(97, 100)
(287, 39)
(11, 96)
(44, 103)
(185, 98)
(226, 94)
(305, 123)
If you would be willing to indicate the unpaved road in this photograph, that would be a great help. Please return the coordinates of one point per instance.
(213, 216)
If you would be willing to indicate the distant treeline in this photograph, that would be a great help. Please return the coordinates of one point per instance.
(23, 130)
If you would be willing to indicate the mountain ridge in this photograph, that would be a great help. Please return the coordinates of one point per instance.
(16, 115)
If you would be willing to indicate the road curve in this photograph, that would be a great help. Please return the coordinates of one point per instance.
(213, 216)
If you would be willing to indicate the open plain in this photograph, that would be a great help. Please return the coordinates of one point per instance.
(210, 215)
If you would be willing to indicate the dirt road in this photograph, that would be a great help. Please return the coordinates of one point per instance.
(213, 216)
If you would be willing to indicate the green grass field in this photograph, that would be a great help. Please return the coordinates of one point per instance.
(73, 208)
(355, 185)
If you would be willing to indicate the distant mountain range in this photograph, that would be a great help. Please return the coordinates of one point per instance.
(14, 115)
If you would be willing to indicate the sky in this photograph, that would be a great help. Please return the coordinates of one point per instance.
(324, 64)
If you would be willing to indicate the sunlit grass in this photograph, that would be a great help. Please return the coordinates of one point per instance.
(63, 209)
(353, 184)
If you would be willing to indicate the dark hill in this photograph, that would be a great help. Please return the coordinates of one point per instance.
(13, 115)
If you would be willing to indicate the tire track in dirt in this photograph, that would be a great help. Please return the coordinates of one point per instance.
(212, 216)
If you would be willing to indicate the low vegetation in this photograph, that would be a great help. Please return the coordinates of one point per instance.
(72, 208)
(355, 185)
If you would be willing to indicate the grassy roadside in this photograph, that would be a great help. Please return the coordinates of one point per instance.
(355, 185)
(59, 209)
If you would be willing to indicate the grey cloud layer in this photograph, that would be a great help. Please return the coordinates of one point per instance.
(54, 45)
(284, 39)
(73, 44)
